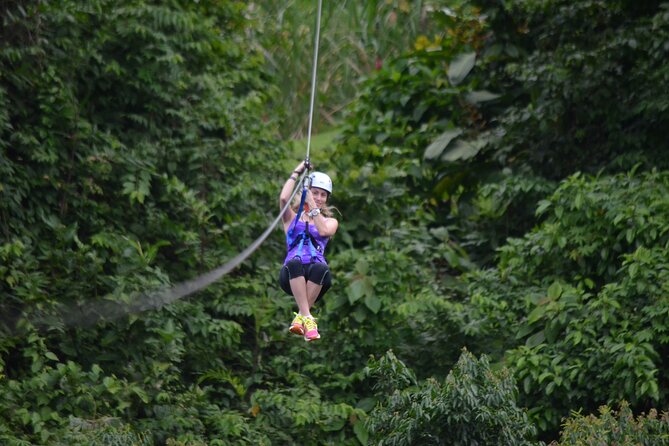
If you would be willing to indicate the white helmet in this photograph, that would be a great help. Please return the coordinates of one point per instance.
(321, 180)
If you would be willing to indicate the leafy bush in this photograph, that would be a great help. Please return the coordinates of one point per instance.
(356, 39)
(393, 294)
(583, 296)
(125, 131)
(578, 79)
(102, 433)
(475, 405)
(619, 428)
(397, 114)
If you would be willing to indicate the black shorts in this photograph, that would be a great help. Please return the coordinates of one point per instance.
(313, 272)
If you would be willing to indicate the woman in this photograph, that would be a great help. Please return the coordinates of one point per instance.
(305, 273)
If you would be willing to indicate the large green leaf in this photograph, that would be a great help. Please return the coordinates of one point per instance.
(360, 288)
(373, 303)
(361, 432)
(463, 150)
(438, 145)
(460, 67)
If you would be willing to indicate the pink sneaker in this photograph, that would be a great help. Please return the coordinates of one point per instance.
(310, 329)
(297, 326)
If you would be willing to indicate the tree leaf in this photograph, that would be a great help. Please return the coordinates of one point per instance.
(460, 67)
(359, 288)
(438, 145)
(536, 314)
(479, 96)
(373, 303)
(361, 432)
(463, 150)
(555, 290)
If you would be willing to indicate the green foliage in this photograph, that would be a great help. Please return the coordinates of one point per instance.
(125, 133)
(356, 39)
(580, 77)
(103, 433)
(137, 150)
(620, 428)
(420, 136)
(399, 112)
(475, 405)
(394, 294)
(545, 108)
(40, 405)
(299, 414)
(588, 289)
(497, 210)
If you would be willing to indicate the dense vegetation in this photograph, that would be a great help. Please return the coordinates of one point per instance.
(356, 39)
(500, 268)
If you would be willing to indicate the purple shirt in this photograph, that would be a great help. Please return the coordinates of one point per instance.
(307, 252)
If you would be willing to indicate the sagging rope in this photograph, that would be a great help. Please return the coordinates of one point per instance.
(90, 313)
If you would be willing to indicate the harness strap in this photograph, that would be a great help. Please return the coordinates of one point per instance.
(299, 211)
(305, 235)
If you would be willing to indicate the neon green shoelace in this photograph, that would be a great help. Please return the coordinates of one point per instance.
(310, 323)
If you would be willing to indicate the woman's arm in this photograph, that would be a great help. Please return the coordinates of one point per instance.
(326, 226)
(286, 192)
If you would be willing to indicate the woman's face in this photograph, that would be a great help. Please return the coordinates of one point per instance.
(320, 196)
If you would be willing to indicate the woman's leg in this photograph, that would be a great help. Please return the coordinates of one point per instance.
(318, 281)
(293, 281)
(299, 288)
(313, 291)
(316, 275)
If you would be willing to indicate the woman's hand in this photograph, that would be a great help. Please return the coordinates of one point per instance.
(301, 167)
(309, 199)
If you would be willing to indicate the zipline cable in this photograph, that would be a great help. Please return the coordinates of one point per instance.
(90, 313)
(313, 76)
